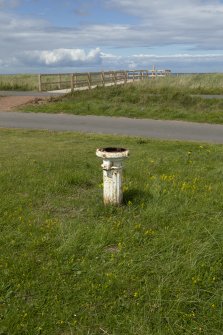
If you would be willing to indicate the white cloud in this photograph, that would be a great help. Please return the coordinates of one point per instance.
(61, 57)
(73, 59)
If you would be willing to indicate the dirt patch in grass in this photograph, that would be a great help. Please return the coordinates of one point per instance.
(11, 103)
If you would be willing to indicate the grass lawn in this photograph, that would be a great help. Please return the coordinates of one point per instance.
(162, 98)
(69, 265)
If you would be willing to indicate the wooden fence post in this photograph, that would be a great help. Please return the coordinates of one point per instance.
(114, 78)
(72, 82)
(59, 81)
(153, 72)
(141, 75)
(103, 78)
(89, 80)
(40, 82)
(126, 77)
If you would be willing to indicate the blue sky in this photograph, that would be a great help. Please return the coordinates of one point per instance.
(82, 35)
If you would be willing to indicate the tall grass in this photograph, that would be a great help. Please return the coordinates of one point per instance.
(69, 265)
(188, 84)
(23, 82)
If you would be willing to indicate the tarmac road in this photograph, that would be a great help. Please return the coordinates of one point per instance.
(29, 94)
(171, 130)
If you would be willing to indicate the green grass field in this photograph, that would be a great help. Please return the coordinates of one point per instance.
(69, 265)
(155, 99)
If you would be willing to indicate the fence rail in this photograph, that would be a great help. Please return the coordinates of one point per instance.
(77, 81)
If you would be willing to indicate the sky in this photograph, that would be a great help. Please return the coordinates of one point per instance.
(51, 36)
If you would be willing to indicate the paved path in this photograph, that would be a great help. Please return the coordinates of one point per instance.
(30, 94)
(174, 130)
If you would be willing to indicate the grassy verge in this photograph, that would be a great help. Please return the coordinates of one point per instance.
(71, 266)
(155, 99)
